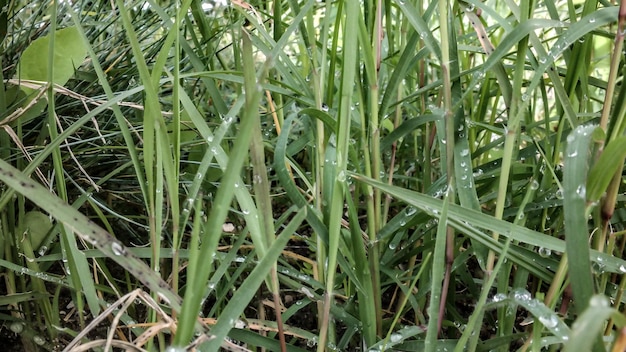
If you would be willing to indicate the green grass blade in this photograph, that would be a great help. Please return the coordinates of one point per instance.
(605, 167)
(87, 230)
(589, 325)
(248, 288)
(284, 177)
(438, 268)
(420, 25)
(576, 228)
(474, 322)
(220, 207)
(489, 223)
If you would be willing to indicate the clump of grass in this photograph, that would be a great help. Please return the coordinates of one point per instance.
(399, 175)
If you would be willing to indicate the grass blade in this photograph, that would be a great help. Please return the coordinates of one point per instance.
(87, 230)
(248, 289)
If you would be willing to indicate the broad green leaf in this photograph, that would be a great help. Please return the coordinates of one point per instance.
(69, 53)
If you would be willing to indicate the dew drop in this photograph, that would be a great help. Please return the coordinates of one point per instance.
(39, 340)
(544, 252)
(549, 321)
(117, 248)
(581, 191)
(499, 297)
(17, 327)
(559, 194)
(341, 176)
(521, 294)
(598, 301)
(534, 185)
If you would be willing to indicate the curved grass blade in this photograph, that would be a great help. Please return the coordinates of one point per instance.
(407, 127)
(88, 231)
(543, 314)
(488, 222)
(589, 325)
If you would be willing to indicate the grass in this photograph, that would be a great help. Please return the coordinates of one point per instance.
(302, 175)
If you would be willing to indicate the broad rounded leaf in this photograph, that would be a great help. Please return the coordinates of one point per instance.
(69, 52)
